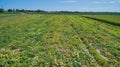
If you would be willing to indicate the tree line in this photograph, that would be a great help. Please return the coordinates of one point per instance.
(55, 12)
(19, 10)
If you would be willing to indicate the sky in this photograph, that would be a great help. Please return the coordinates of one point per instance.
(64, 5)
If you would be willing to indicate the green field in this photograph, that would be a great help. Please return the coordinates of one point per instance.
(6, 15)
(48, 40)
(114, 19)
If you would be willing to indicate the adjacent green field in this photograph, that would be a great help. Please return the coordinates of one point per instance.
(43, 40)
(115, 19)
(6, 15)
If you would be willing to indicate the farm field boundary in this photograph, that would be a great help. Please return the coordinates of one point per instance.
(105, 21)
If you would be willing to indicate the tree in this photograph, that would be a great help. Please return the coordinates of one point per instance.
(1, 10)
(10, 10)
(17, 10)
